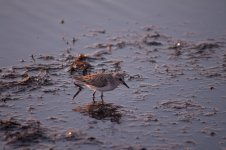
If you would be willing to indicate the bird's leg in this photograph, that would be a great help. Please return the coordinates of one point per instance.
(102, 96)
(79, 89)
(94, 96)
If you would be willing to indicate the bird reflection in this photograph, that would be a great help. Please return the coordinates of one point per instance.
(101, 111)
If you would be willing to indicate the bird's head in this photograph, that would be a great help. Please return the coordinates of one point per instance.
(120, 78)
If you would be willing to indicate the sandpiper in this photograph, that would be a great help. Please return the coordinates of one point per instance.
(100, 82)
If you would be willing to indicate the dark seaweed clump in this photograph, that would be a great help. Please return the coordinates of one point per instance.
(22, 134)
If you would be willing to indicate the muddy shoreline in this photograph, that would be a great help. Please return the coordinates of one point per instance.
(176, 74)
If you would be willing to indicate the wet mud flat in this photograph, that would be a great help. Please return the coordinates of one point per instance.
(176, 100)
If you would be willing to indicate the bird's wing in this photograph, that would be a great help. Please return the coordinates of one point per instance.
(98, 81)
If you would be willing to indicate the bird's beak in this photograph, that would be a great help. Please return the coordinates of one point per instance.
(123, 82)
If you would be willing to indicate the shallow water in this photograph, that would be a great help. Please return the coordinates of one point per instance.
(173, 53)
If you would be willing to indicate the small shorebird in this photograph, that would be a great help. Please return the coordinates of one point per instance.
(100, 82)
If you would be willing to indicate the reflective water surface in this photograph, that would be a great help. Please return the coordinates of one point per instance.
(173, 54)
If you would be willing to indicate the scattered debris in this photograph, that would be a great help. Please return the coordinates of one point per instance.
(6, 97)
(136, 77)
(99, 53)
(47, 57)
(26, 133)
(74, 40)
(148, 40)
(62, 21)
(179, 45)
(101, 31)
(8, 125)
(71, 134)
(211, 88)
(33, 58)
(205, 45)
(209, 131)
(80, 64)
(27, 82)
(190, 142)
(183, 104)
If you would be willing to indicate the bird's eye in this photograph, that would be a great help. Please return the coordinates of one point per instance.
(120, 79)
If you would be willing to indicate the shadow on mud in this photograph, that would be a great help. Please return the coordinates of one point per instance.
(101, 111)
